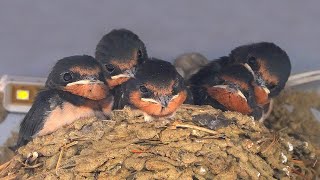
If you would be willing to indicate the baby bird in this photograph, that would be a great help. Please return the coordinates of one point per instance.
(157, 90)
(120, 52)
(75, 88)
(269, 64)
(229, 88)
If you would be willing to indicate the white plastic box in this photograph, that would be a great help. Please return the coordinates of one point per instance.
(19, 92)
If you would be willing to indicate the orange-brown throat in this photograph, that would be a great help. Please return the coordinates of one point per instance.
(261, 96)
(155, 109)
(231, 100)
(90, 91)
(125, 68)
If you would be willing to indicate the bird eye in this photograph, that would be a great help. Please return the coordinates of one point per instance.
(252, 61)
(139, 54)
(272, 86)
(67, 77)
(219, 81)
(110, 68)
(143, 89)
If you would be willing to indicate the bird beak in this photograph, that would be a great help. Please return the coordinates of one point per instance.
(85, 81)
(230, 89)
(249, 68)
(266, 90)
(130, 73)
(258, 79)
(149, 100)
(162, 100)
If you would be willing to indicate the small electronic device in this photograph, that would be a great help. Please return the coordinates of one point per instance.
(19, 92)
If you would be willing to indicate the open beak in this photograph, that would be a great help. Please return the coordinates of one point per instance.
(130, 73)
(233, 90)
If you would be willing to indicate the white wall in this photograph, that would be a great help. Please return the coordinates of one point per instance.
(34, 34)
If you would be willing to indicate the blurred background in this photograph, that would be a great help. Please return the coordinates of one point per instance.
(35, 35)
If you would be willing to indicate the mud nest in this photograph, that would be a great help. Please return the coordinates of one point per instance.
(292, 114)
(126, 147)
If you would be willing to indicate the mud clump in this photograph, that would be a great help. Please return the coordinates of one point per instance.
(126, 147)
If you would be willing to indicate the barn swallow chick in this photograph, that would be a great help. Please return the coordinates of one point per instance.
(157, 90)
(75, 88)
(229, 88)
(121, 52)
(269, 64)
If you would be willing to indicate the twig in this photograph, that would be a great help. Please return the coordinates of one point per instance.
(59, 160)
(26, 166)
(315, 162)
(61, 154)
(3, 166)
(296, 161)
(10, 177)
(33, 166)
(71, 144)
(275, 139)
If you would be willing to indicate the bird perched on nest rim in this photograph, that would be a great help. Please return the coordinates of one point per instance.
(269, 64)
(157, 89)
(121, 52)
(75, 89)
(226, 88)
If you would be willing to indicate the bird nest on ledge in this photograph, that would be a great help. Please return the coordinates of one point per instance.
(126, 147)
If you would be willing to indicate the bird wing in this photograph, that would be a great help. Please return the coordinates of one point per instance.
(34, 119)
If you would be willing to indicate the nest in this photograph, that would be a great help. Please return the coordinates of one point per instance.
(126, 147)
(292, 113)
